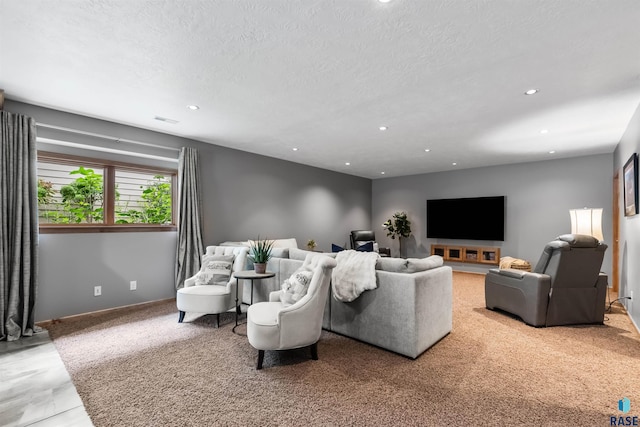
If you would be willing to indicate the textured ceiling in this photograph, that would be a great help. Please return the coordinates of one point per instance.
(322, 76)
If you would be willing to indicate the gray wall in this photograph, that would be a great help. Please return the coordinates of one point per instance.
(244, 195)
(539, 196)
(247, 195)
(72, 264)
(629, 226)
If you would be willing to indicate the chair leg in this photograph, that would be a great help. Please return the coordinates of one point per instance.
(217, 320)
(181, 317)
(260, 359)
(314, 351)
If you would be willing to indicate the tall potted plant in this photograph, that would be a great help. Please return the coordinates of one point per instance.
(260, 253)
(399, 226)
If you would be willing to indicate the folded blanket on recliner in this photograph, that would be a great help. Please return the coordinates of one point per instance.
(354, 274)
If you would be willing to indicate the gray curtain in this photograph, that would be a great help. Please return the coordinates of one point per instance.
(190, 247)
(19, 228)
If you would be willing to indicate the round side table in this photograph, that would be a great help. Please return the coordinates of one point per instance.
(247, 275)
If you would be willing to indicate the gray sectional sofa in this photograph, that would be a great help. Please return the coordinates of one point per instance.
(408, 312)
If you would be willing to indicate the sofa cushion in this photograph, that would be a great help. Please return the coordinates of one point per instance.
(409, 265)
(298, 254)
(284, 243)
(394, 265)
(423, 264)
(280, 252)
(244, 244)
(295, 287)
(215, 270)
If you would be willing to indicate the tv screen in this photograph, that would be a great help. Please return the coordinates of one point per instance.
(477, 218)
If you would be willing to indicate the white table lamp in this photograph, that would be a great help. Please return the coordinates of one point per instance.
(587, 221)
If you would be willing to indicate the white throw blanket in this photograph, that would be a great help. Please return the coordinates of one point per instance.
(354, 273)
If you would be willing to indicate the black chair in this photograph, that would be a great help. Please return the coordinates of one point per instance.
(363, 237)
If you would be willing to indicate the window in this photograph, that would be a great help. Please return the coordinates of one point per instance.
(78, 194)
(142, 198)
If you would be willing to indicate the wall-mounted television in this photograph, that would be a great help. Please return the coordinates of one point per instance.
(476, 218)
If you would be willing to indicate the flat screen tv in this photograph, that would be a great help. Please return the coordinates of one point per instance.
(477, 218)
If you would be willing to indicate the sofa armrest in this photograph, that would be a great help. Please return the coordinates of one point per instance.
(518, 278)
(509, 272)
(518, 292)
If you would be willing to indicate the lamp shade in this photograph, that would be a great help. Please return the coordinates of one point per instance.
(587, 221)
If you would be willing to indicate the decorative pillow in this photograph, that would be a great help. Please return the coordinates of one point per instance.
(364, 246)
(215, 270)
(336, 248)
(295, 287)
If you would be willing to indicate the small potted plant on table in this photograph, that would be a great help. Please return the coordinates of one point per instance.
(260, 253)
(311, 244)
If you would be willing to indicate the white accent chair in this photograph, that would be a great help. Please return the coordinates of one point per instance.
(272, 326)
(213, 299)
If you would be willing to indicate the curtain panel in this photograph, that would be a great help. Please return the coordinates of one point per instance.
(19, 226)
(190, 246)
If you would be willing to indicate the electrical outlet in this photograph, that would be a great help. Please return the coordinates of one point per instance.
(133, 285)
(97, 291)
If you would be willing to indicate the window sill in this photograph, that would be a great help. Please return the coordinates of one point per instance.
(92, 228)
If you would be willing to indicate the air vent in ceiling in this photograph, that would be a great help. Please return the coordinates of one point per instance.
(164, 119)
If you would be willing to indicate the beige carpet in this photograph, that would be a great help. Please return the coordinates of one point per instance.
(140, 367)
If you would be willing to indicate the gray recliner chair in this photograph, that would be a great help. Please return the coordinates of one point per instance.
(566, 287)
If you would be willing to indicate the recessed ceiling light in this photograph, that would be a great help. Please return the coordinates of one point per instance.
(544, 131)
(295, 148)
(347, 163)
(193, 107)
(381, 173)
(384, 1)
(427, 150)
(454, 164)
(531, 91)
(552, 152)
(383, 128)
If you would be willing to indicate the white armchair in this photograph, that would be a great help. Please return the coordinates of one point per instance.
(212, 299)
(274, 326)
